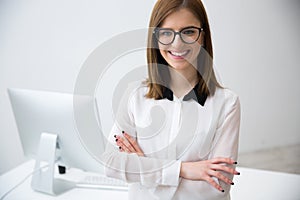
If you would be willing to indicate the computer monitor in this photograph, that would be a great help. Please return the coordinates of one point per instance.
(49, 131)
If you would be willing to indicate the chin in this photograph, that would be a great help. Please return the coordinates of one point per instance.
(179, 66)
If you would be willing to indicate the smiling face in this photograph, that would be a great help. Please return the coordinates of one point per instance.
(179, 55)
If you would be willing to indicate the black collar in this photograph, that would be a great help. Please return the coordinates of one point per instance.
(193, 94)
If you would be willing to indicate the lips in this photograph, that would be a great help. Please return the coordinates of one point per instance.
(179, 54)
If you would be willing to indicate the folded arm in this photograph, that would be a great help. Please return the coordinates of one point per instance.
(221, 161)
(133, 166)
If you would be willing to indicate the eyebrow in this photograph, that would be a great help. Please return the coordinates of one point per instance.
(180, 28)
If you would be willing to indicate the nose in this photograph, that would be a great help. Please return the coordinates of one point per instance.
(177, 41)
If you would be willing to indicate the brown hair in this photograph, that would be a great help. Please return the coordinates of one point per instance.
(157, 71)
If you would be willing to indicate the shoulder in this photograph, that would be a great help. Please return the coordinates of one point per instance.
(138, 89)
(136, 92)
(228, 98)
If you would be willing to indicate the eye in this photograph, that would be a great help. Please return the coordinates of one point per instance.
(165, 33)
(188, 31)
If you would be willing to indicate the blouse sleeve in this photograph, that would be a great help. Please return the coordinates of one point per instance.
(133, 168)
(227, 136)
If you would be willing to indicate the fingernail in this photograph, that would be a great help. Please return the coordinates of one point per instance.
(235, 163)
(116, 140)
(115, 136)
(223, 190)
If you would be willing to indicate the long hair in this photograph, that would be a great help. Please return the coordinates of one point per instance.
(158, 74)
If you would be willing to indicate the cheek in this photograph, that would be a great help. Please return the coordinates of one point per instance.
(199, 43)
(195, 51)
(163, 49)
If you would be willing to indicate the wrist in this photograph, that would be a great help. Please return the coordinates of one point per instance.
(182, 169)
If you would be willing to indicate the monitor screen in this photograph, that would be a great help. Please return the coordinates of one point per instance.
(38, 112)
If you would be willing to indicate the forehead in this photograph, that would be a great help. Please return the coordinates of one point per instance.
(180, 19)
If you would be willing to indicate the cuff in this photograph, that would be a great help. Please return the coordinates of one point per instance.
(170, 174)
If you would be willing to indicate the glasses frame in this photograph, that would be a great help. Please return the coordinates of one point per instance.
(157, 29)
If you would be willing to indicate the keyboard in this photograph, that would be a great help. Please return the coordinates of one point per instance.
(102, 182)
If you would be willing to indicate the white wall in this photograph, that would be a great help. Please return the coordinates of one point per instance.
(44, 43)
(257, 48)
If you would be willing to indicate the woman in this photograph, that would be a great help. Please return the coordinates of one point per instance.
(187, 149)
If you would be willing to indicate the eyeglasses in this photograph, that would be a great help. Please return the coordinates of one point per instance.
(188, 35)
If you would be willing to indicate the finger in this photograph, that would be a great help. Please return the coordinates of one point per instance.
(120, 143)
(128, 145)
(223, 160)
(123, 148)
(133, 142)
(220, 176)
(214, 184)
(125, 144)
(120, 149)
(224, 168)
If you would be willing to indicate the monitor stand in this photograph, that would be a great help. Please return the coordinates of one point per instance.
(43, 179)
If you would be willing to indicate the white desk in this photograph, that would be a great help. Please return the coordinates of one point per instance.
(24, 191)
(252, 184)
(255, 184)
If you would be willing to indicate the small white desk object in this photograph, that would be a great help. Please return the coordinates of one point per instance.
(252, 184)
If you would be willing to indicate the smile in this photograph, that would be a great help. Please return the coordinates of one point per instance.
(179, 54)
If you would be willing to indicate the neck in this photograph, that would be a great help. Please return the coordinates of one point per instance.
(182, 81)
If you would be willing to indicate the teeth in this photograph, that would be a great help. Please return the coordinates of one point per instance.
(179, 53)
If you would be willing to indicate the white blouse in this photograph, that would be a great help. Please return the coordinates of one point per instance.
(171, 132)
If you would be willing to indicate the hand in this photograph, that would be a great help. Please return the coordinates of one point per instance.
(128, 144)
(206, 169)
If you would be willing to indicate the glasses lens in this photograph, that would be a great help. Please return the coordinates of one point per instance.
(190, 35)
(165, 36)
